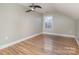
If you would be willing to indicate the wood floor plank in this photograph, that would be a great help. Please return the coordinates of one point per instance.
(44, 45)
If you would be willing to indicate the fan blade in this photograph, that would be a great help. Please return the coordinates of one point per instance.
(28, 10)
(37, 6)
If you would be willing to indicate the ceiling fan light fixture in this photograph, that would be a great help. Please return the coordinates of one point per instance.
(32, 9)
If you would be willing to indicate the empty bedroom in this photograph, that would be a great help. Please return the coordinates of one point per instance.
(39, 28)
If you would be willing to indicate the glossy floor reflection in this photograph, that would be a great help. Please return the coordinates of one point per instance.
(44, 45)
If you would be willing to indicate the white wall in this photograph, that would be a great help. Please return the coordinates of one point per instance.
(16, 24)
(77, 30)
(61, 24)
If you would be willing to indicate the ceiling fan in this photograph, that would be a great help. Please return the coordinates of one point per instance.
(33, 7)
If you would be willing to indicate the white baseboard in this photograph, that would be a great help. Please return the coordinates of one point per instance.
(77, 41)
(73, 36)
(18, 41)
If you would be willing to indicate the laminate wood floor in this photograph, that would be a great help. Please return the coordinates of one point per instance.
(43, 45)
